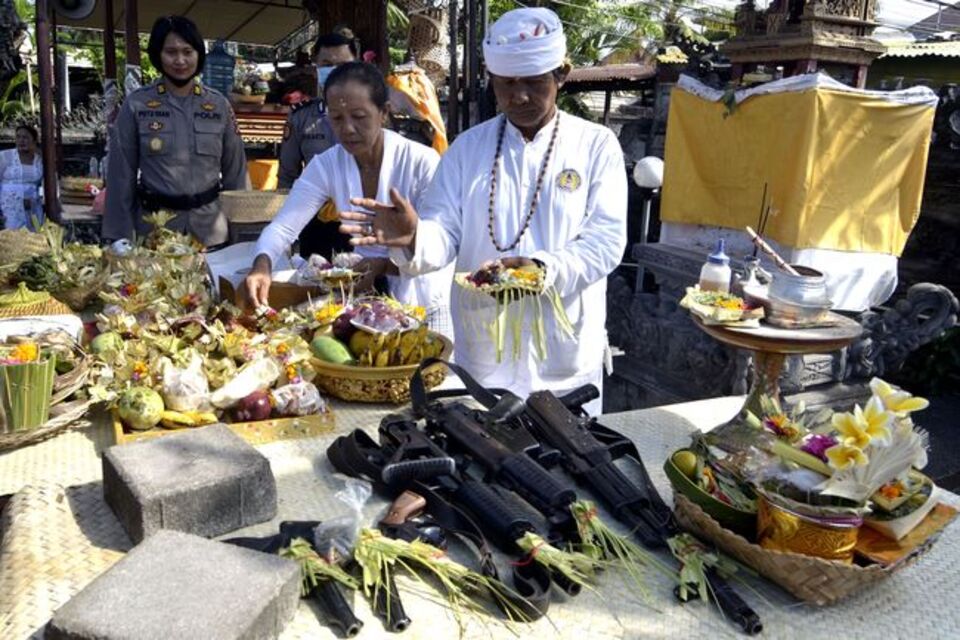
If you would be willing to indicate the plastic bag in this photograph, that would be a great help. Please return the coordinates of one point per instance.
(336, 537)
(298, 399)
(310, 272)
(253, 376)
(185, 389)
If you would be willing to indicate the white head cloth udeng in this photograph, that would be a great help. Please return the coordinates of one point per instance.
(524, 43)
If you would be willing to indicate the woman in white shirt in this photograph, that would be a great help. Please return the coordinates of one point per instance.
(20, 176)
(372, 161)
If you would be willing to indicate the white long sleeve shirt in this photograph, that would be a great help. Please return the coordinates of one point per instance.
(578, 231)
(407, 166)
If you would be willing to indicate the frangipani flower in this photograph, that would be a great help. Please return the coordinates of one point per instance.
(863, 426)
(896, 400)
(843, 456)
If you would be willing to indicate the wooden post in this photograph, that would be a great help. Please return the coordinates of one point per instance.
(109, 43)
(469, 53)
(47, 126)
(57, 85)
(606, 107)
(453, 99)
(133, 78)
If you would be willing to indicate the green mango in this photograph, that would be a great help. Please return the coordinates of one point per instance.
(331, 350)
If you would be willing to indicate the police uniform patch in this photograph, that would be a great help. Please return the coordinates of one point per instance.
(153, 104)
(156, 126)
(208, 106)
(161, 88)
(156, 144)
(197, 90)
(569, 180)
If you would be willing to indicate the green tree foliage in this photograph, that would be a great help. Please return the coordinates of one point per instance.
(597, 28)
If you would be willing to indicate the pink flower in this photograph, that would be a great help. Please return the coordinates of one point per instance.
(817, 445)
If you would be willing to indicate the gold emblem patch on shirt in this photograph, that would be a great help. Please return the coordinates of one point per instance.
(208, 106)
(153, 104)
(569, 180)
(156, 125)
(197, 90)
(161, 88)
(328, 212)
(156, 144)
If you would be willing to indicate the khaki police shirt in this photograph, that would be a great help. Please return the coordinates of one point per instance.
(175, 146)
(306, 134)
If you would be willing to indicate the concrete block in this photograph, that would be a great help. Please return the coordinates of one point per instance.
(206, 481)
(177, 585)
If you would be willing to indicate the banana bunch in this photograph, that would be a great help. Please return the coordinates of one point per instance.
(181, 419)
(394, 348)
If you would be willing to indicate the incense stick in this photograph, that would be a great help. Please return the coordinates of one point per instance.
(762, 220)
(767, 249)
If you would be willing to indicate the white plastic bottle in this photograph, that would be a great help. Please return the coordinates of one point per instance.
(715, 274)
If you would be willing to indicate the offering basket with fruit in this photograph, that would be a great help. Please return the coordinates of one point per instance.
(369, 350)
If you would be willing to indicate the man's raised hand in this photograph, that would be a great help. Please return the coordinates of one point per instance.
(392, 225)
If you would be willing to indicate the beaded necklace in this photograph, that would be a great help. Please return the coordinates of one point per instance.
(536, 193)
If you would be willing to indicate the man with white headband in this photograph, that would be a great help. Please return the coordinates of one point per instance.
(532, 185)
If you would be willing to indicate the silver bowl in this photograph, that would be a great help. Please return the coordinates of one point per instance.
(798, 301)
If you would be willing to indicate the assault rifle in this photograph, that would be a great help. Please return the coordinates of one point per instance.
(583, 447)
(588, 450)
(335, 608)
(407, 460)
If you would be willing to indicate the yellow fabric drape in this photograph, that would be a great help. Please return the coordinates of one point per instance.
(845, 170)
(419, 89)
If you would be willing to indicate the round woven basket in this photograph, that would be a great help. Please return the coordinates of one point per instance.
(251, 206)
(814, 580)
(79, 298)
(429, 43)
(19, 245)
(48, 307)
(239, 98)
(377, 384)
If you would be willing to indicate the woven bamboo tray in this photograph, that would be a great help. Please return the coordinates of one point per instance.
(260, 432)
(813, 580)
(251, 206)
(377, 384)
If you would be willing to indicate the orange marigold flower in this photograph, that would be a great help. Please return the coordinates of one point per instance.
(25, 352)
(891, 491)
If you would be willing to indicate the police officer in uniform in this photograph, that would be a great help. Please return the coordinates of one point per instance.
(306, 134)
(175, 145)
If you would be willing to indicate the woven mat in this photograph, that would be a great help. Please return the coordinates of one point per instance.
(58, 540)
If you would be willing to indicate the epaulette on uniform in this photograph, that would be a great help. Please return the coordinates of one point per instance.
(303, 103)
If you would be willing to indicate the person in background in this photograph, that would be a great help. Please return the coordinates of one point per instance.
(306, 134)
(531, 186)
(368, 161)
(174, 146)
(21, 173)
